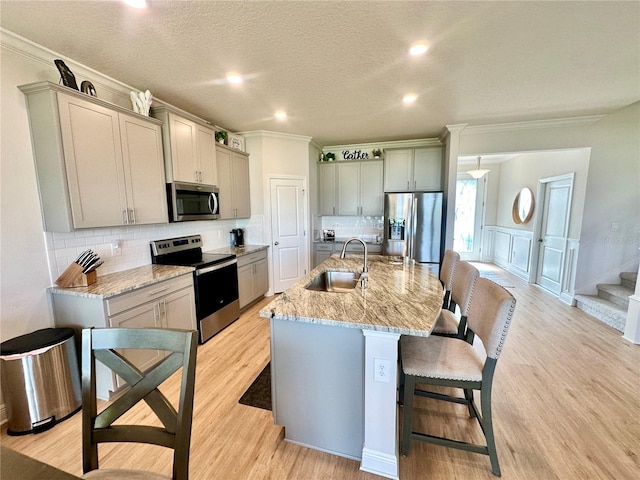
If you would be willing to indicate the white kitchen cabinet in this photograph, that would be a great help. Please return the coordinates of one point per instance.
(351, 188)
(321, 252)
(327, 188)
(166, 304)
(190, 154)
(413, 169)
(253, 277)
(233, 182)
(98, 165)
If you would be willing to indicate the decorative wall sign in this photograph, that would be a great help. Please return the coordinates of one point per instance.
(355, 155)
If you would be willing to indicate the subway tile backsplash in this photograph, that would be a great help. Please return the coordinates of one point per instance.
(366, 227)
(64, 248)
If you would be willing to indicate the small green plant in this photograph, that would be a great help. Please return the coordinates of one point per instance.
(329, 157)
(376, 152)
(222, 136)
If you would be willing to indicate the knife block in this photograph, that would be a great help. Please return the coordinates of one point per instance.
(73, 277)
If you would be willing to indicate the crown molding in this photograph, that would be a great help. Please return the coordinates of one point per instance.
(42, 55)
(531, 125)
(420, 142)
(269, 134)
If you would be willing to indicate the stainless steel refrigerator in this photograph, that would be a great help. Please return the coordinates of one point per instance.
(413, 226)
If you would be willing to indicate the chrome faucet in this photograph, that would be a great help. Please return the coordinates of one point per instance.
(365, 268)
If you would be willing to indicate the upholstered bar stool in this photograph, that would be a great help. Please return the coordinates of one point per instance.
(447, 324)
(447, 272)
(451, 362)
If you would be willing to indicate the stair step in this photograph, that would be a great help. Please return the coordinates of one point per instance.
(629, 279)
(603, 309)
(616, 293)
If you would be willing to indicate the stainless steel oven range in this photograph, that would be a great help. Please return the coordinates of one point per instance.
(215, 280)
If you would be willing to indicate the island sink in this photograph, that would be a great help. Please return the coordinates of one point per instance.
(334, 281)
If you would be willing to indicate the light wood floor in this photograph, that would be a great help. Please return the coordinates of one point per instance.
(566, 406)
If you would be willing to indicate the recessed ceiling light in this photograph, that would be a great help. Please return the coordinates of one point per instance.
(418, 49)
(234, 78)
(281, 115)
(136, 3)
(409, 98)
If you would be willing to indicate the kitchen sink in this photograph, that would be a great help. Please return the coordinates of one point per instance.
(334, 281)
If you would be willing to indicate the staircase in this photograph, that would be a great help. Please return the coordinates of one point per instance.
(612, 302)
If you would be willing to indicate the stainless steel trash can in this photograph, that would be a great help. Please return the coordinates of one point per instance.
(40, 379)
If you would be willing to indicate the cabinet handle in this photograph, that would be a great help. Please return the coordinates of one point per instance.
(132, 213)
(125, 217)
(154, 292)
(408, 185)
(164, 308)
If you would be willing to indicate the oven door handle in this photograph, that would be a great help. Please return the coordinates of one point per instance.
(213, 268)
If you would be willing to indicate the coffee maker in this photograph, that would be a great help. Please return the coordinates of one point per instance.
(237, 237)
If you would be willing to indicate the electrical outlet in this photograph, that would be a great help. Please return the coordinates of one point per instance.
(116, 248)
(381, 370)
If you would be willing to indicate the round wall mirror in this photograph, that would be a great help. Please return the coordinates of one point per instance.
(523, 206)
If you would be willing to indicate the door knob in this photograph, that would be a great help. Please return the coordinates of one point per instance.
(276, 243)
(540, 240)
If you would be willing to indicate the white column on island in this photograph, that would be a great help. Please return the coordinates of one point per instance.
(380, 449)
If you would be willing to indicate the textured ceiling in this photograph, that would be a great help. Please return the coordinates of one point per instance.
(340, 69)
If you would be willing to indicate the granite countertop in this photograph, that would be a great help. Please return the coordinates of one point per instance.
(120, 282)
(240, 251)
(399, 298)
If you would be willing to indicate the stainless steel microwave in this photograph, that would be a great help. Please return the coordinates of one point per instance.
(188, 202)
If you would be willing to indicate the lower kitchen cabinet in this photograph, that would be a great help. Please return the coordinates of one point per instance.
(167, 304)
(253, 277)
(322, 251)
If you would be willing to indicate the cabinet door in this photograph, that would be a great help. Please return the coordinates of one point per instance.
(183, 149)
(240, 187)
(261, 278)
(93, 161)
(179, 310)
(348, 180)
(371, 190)
(223, 160)
(320, 256)
(206, 155)
(398, 170)
(245, 285)
(327, 188)
(144, 316)
(427, 170)
(144, 170)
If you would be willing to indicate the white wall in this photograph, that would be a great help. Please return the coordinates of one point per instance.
(612, 196)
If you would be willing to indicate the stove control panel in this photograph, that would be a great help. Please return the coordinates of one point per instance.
(172, 245)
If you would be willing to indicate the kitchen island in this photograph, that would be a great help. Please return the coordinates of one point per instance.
(334, 357)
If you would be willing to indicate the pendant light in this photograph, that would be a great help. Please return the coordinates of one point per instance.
(478, 172)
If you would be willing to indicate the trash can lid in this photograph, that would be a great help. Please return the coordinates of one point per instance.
(35, 340)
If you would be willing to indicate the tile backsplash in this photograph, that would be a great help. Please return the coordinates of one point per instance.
(133, 241)
(364, 227)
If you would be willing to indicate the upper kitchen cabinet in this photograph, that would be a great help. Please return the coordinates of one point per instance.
(233, 182)
(413, 169)
(350, 188)
(97, 164)
(189, 148)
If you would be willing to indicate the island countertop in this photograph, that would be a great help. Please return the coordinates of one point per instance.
(399, 298)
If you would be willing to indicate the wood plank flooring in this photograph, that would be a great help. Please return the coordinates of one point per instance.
(566, 406)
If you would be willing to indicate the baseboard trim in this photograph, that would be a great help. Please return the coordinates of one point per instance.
(379, 463)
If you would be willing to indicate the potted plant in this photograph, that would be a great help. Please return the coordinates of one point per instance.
(376, 152)
(222, 136)
(329, 157)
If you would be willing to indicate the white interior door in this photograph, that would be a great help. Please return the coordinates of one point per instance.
(554, 228)
(289, 245)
